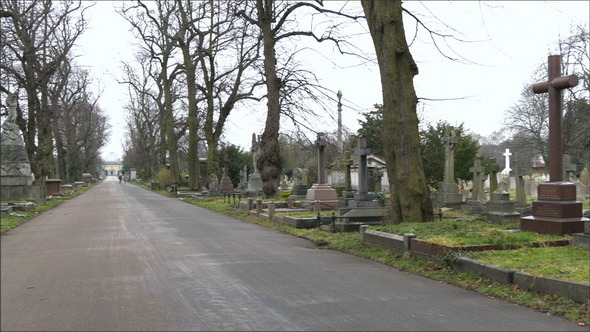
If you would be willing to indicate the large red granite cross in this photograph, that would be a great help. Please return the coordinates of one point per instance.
(553, 86)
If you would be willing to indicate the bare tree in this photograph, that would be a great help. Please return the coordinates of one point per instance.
(153, 25)
(273, 20)
(38, 35)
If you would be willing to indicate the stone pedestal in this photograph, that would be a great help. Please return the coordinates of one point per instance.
(324, 194)
(501, 208)
(448, 195)
(582, 239)
(53, 187)
(225, 186)
(556, 211)
(254, 183)
(473, 206)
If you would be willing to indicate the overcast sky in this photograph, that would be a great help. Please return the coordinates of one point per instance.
(509, 40)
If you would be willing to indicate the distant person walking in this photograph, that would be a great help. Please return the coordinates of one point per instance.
(120, 177)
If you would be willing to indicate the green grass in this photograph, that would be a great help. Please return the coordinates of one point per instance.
(564, 263)
(464, 232)
(18, 217)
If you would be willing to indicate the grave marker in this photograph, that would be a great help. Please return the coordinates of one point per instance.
(556, 211)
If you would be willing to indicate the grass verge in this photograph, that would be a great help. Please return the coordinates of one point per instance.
(352, 243)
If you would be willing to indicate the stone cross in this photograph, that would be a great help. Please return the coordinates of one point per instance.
(477, 171)
(568, 167)
(553, 86)
(321, 144)
(451, 141)
(361, 151)
(519, 179)
(507, 169)
(493, 168)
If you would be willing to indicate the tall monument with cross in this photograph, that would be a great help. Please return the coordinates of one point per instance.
(321, 194)
(556, 211)
(448, 194)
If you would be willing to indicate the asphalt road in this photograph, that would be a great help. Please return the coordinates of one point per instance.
(122, 258)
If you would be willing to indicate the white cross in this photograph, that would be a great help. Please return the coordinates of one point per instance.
(507, 168)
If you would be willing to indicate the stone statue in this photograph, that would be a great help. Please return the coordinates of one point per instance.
(213, 182)
(11, 102)
(256, 150)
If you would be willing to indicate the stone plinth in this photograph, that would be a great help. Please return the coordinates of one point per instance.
(225, 186)
(500, 207)
(324, 194)
(556, 211)
(448, 195)
(255, 183)
(582, 239)
(53, 187)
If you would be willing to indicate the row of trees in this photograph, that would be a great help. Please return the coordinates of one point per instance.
(63, 127)
(198, 61)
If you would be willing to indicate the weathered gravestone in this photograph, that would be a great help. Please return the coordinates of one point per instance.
(476, 203)
(493, 169)
(321, 195)
(16, 177)
(556, 211)
(254, 180)
(300, 184)
(213, 185)
(448, 194)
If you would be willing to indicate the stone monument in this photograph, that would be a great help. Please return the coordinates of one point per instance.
(448, 194)
(476, 203)
(321, 193)
(213, 185)
(299, 190)
(254, 180)
(507, 169)
(16, 179)
(556, 211)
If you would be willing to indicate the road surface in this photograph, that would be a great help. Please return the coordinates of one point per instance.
(123, 258)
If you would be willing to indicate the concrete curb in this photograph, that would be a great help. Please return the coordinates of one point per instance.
(578, 292)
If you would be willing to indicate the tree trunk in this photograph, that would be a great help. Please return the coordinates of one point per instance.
(410, 195)
(270, 162)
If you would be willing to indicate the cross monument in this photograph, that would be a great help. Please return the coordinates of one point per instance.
(556, 211)
(361, 151)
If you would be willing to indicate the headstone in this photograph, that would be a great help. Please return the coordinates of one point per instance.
(361, 152)
(500, 208)
(243, 178)
(16, 180)
(321, 194)
(493, 169)
(299, 190)
(507, 155)
(213, 186)
(451, 140)
(568, 167)
(254, 180)
(520, 192)
(87, 177)
(556, 211)
(377, 176)
(476, 203)
(284, 185)
(448, 194)
(53, 187)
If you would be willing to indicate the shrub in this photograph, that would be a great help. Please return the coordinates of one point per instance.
(164, 177)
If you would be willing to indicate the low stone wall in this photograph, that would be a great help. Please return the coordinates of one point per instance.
(579, 292)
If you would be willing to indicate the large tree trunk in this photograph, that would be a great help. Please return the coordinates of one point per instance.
(410, 195)
(270, 162)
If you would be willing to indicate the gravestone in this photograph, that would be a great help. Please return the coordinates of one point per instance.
(53, 187)
(284, 185)
(213, 186)
(321, 194)
(500, 208)
(225, 185)
(556, 211)
(254, 180)
(448, 194)
(493, 169)
(377, 176)
(568, 167)
(476, 203)
(348, 192)
(87, 177)
(243, 178)
(521, 204)
(16, 180)
(300, 186)
(507, 155)
(361, 152)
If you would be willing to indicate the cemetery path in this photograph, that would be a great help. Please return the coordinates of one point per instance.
(123, 258)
